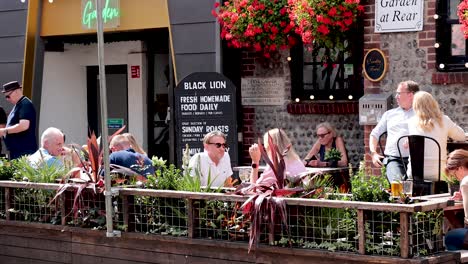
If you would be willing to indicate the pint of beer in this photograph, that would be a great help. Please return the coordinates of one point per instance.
(397, 188)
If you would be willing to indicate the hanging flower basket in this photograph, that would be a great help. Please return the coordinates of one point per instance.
(324, 23)
(463, 16)
(260, 24)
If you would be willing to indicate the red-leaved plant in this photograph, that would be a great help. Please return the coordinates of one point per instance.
(87, 173)
(324, 24)
(260, 24)
(463, 17)
(265, 203)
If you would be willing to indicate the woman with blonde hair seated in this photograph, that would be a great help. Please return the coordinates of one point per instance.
(293, 163)
(327, 139)
(429, 121)
(134, 143)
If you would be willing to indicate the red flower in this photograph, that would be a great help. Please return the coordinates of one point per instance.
(324, 23)
(462, 13)
(283, 11)
(323, 29)
(263, 25)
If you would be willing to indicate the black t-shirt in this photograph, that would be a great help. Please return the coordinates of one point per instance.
(3, 121)
(24, 142)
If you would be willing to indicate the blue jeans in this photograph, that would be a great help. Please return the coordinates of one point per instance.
(395, 169)
(454, 238)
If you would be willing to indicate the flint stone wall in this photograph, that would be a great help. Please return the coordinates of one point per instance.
(301, 128)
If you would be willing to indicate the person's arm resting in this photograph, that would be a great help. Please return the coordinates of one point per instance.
(23, 125)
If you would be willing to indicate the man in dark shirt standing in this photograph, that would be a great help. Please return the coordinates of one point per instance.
(3, 121)
(20, 131)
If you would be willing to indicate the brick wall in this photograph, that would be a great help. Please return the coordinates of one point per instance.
(371, 41)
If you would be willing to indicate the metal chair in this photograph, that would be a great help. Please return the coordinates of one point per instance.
(416, 149)
(382, 137)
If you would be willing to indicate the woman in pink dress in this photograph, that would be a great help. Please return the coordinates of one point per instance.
(293, 163)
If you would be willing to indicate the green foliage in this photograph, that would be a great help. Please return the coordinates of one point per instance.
(43, 173)
(166, 178)
(172, 178)
(368, 188)
(193, 183)
(452, 180)
(333, 154)
(7, 169)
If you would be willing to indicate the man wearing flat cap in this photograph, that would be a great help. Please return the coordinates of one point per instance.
(20, 131)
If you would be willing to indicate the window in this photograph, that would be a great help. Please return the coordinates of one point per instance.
(451, 51)
(341, 79)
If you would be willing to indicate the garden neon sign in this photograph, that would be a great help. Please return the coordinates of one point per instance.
(110, 14)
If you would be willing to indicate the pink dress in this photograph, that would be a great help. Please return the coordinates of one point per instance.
(293, 168)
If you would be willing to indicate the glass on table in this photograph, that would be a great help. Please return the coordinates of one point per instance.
(244, 174)
(408, 188)
(396, 188)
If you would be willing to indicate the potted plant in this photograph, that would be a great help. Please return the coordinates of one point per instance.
(259, 24)
(333, 155)
(325, 24)
(453, 183)
(463, 16)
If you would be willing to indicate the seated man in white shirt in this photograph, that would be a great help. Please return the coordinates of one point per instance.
(214, 163)
(51, 149)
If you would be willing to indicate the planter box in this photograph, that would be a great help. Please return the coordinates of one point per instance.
(358, 230)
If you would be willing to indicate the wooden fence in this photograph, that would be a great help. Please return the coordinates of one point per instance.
(172, 227)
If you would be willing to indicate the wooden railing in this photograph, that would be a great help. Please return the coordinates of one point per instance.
(403, 230)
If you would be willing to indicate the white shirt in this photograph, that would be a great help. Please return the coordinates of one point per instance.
(395, 123)
(431, 153)
(201, 163)
(464, 193)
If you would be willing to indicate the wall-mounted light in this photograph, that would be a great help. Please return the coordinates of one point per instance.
(436, 45)
(441, 66)
(297, 100)
(51, 1)
(350, 97)
(312, 97)
(436, 16)
(466, 65)
(331, 97)
(289, 58)
(22, 1)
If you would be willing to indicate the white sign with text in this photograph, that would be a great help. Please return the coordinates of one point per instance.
(262, 91)
(398, 15)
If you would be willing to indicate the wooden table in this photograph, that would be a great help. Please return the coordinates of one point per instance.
(340, 175)
(309, 169)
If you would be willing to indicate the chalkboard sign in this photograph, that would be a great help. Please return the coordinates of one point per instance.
(374, 65)
(204, 102)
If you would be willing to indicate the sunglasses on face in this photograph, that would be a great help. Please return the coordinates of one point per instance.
(8, 95)
(218, 145)
(323, 135)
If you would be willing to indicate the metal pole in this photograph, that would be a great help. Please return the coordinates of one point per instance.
(103, 106)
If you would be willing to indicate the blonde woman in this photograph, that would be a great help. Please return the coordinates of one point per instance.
(292, 161)
(327, 139)
(134, 143)
(429, 121)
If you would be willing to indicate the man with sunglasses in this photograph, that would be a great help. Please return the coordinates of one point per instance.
(20, 131)
(395, 123)
(214, 164)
